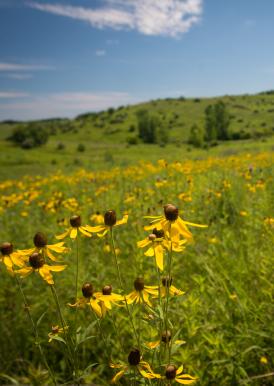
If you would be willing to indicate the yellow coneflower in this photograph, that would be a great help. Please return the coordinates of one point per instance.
(107, 298)
(174, 374)
(168, 287)
(110, 221)
(157, 244)
(55, 331)
(165, 339)
(41, 246)
(172, 223)
(134, 361)
(72, 232)
(98, 218)
(11, 258)
(37, 264)
(142, 292)
(89, 298)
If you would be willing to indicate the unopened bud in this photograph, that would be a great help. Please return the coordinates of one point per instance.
(87, 290)
(107, 290)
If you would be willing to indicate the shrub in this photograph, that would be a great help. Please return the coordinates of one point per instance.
(81, 148)
(30, 135)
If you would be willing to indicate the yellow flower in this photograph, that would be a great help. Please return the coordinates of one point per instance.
(11, 258)
(110, 221)
(41, 246)
(172, 223)
(89, 298)
(243, 213)
(75, 222)
(263, 360)
(55, 331)
(134, 361)
(165, 339)
(174, 374)
(142, 292)
(98, 218)
(107, 249)
(157, 244)
(167, 283)
(107, 298)
(37, 264)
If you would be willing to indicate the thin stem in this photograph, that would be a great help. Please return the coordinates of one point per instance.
(121, 284)
(35, 332)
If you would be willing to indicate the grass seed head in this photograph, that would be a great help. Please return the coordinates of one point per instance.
(6, 249)
(167, 281)
(166, 336)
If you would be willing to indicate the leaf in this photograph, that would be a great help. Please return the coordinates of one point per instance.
(85, 339)
(58, 338)
(10, 379)
(40, 319)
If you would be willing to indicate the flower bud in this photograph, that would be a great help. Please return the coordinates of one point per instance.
(139, 284)
(107, 290)
(159, 233)
(87, 290)
(171, 372)
(36, 260)
(75, 221)
(110, 218)
(166, 336)
(6, 249)
(167, 281)
(171, 212)
(40, 240)
(134, 357)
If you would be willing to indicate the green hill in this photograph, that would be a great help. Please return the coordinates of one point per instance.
(107, 137)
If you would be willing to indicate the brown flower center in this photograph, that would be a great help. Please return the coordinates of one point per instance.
(171, 212)
(40, 240)
(139, 284)
(110, 218)
(134, 357)
(107, 290)
(36, 260)
(6, 249)
(87, 290)
(171, 372)
(159, 233)
(75, 221)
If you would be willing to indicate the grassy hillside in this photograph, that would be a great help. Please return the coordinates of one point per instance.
(105, 135)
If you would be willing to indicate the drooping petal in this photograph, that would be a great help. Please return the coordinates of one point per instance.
(98, 228)
(149, 252)
(143, 243)
(63, 235)
(46, 275)
(58, 247)
(159, 256)
(153, 345)
(84, 231)
(55, 268)
(123, 221)
(118, 376)
(24, 272)
(95, 306)
(50, 255)
(73, 233)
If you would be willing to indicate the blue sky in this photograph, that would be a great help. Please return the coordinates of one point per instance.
(65, 57)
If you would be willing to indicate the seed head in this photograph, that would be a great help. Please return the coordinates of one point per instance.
(139, 284)
(40, 240)
(106, 290)
(171, 372)
(6, 249)
(134, 357)
(110, 218)
(75, 221)
(159, 233)
(171, 212)
(167, 281)
(166, 336)
(87, 290)
(36, 260)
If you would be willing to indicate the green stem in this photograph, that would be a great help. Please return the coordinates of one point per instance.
(121, 284)
(35, 332)
(168, 290)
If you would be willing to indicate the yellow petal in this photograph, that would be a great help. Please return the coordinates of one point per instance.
(118, 376)
(46, 275)
(84, 231)
(143, 243)
(98, 228)
(73, 233)
(63, 235)
(123, 221)
(23, 272)
(96, 308)
(50, 255)
(153, 345)
(159, 256)
(149, 252)
(55, 268)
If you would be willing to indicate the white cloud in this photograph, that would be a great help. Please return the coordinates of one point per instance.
(149, 17)
(66, 104)
(4, 66)
(100, 53)
(13, 94)
(20, 76)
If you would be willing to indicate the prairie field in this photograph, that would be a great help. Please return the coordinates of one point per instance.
(219, 317)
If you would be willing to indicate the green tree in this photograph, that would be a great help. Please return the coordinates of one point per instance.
(196, 136)
(217, 121)
(210, 124)
(147, 126)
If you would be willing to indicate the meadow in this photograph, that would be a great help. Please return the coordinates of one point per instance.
(220, 327)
